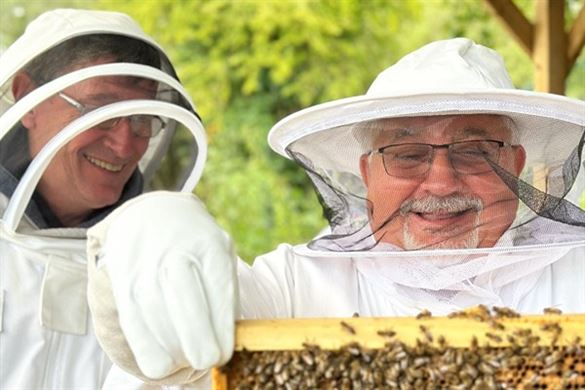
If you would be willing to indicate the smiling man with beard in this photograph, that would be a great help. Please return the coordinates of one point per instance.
(444, 188)
(430, 183)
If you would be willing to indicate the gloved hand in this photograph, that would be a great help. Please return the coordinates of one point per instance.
(173, 282)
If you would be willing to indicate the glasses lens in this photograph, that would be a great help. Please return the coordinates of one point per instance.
(108, 124)
(142, 125)
(157, 124)
(146, 125)
(473, 157)
(406, 160)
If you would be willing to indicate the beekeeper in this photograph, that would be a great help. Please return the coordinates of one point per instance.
(444, 188)
(89, 105)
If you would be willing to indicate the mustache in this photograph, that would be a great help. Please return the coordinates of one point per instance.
(450, 204)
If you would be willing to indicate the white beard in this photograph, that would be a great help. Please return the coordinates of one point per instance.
(457, 240)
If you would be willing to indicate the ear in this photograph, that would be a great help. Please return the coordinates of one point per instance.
(519, 158)
(21, 86)
(364, 167)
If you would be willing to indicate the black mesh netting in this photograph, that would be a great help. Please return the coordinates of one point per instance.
(496, 208)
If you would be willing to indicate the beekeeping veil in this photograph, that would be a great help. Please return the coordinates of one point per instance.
(470, 217)
(48, 54)
(43, 52)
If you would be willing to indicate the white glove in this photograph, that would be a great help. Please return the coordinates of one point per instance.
(173, 278)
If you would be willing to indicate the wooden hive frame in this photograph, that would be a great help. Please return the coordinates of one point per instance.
(459, 332)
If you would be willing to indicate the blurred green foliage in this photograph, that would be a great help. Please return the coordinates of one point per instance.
(248, 64)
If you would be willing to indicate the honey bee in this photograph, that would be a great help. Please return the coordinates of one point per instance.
(427, 333)
(505, 312)
(424, 314)
(493, 337)
(386, 333)
(347, 327)
(552, 310)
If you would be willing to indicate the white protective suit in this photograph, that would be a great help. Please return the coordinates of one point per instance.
(508, 159)
(47, 339)
(297, 282)
(290, 282)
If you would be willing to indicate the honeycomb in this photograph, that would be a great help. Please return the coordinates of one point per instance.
(474, 349)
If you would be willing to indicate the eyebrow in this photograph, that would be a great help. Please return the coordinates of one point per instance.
(467, 132)
(402, 132)
(100, 98)
(471, 132)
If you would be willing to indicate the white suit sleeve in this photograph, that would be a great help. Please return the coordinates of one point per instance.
(267, 286)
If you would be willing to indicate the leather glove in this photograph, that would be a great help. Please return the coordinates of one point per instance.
(167, 271)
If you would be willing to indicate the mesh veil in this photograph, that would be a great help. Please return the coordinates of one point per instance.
(482, 212)
(553, 160)
(542, 225)
(73, 65)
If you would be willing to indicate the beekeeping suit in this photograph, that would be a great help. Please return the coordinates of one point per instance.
(47, 339)
(444, 188)
(374, 261)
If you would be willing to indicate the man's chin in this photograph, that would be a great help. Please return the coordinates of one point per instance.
(104, 199)
(465, 240)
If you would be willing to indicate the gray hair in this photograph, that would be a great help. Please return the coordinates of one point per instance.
(366, 133)
(83, 49)
(514, 130)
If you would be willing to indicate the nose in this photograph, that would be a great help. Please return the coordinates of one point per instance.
(441, 178)
(120, 139)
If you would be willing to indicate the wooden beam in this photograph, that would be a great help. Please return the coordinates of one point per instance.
(550, 46)
(461, 333)
(333, 333)
(514, 21)
(576, 39)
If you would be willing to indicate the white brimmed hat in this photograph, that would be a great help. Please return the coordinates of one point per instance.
(455, 76)
(450, 77)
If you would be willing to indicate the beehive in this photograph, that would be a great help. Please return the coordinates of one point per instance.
(476, 349)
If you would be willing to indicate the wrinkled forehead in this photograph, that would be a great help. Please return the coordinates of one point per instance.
(441, 129)
(111, 84)
(102, 90)
(116, 88)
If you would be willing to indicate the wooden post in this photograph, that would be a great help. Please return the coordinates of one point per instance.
(552, 49)
(550, 46)
(576, 39)
(514, 21)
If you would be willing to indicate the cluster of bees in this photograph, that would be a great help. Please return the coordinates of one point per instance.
(520, 362)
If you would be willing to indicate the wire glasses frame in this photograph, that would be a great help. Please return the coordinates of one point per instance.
(415, 159)
(144, 126)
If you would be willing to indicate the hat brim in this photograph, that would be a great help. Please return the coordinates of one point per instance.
(522, 106)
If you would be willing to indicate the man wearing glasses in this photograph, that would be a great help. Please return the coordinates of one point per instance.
(97, 165)
(444, 192)
(89, 105)
(444, 188)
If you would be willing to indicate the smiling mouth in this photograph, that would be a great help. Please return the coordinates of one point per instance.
(441, 215)
(104, 164)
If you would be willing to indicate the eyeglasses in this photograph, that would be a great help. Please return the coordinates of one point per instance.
(145, 126)
(466, 157)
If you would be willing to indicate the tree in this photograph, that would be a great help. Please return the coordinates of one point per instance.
(16, 14)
